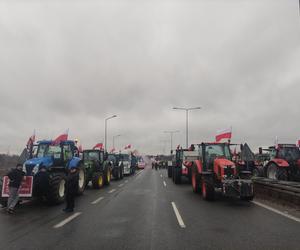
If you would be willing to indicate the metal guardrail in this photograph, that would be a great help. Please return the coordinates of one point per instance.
(284, 192)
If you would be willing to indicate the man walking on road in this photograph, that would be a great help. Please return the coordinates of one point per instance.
(71, 189)
(15, 179)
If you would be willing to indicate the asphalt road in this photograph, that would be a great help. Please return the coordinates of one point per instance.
(139, 212)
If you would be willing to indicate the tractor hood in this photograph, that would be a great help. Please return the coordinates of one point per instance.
(223, 162)
(45, 161)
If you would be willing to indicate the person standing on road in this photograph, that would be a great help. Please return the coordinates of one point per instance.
(71, 189)
(15, 176)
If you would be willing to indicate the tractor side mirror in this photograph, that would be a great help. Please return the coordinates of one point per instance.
(260, 151)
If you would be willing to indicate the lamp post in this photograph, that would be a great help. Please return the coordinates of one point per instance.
(115, 136)
(187, 121)
(105, 140)
(171, 132)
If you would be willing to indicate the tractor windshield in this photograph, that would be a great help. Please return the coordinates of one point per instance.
(45, 150)
(214, 151)
(289, 153)
(91, 156)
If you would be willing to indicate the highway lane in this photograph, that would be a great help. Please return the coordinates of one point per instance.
(138, 214)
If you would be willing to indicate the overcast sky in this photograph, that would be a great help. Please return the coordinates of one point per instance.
(70, 64)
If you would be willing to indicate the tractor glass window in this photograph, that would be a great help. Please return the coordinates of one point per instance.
(214, 151)
(289, 153)
(200, 151)
(42, 150)
(67, 152)
(91, 156)
(273, 153)
(54, 151)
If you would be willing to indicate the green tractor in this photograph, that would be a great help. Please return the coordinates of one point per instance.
(98, 169)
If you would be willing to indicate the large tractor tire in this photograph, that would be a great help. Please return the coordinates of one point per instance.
(107, 175)
(177, 175)
(169, 171)
(122, 172)
(97, 180)
(275, 172)
(208, 190)
(56, 194)
(3, 200)
(196, 181)
(82, 179)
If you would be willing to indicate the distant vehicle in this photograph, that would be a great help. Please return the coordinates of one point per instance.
(214, 169)
(98, 170)
(141, 163)
(117, 166)
(126, 162)
(283, 163)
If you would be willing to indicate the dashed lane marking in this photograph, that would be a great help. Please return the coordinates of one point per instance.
(276, 211)
(64, 222)
(97, 201)
(121, 185)
(178, 216)
(126, 181)
(161, 175)
(165, 184)
(111, 191)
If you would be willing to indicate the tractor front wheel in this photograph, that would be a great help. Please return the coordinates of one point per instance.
(97, 180)
(82, 179)
(177, 177)
(195, 182)
(56, 194)
(208, 190)
(107, 175)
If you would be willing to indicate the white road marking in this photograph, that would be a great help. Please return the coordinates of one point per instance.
(276, 211)
(97, 201)
(161, 175)
(165, 184)
(111, 191)
(178, 216)
(126, 181)
(64, 222)
(121, 185)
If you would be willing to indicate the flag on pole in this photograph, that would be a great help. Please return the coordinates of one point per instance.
(99, 146)
(63, 137)
(30, 141)
(128, 146)
(276, 142)
(224, 134)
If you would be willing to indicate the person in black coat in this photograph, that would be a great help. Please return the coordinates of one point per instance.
(71, 189)
(41, 183)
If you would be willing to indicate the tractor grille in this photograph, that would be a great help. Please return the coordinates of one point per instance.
(228, 171)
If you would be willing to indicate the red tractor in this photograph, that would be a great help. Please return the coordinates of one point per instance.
(283, 163)
(214, 169)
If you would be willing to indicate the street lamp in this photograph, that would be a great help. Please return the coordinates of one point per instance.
(171, 135)
(115, 136)
(105, 140)
(187, 121)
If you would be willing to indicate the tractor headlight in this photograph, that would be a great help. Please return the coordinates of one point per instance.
(35, 169)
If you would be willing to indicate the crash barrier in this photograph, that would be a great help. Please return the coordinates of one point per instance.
(282, 192)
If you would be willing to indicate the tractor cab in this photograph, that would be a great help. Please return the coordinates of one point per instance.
(288, 152)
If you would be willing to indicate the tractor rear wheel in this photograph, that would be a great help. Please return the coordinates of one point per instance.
(282, 174)
(122, 172)
(169, 171)
(56, 194)
(107, 175)
(208, 190)
(82, 179)
(195, 181)
(3, 200)
(177, 177)
(97, 180)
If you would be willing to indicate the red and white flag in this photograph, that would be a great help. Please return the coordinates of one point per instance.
(298, 143)
(62, 137)
(98, 145)
(31, 140)
(224, 134)
(128, 146)
(80, 148)
(112, 150)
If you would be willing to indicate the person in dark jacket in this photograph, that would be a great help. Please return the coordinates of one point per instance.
(15, 176)
(71, 189)
(41, 182)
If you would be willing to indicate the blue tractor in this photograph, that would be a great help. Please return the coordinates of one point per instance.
(57, 160)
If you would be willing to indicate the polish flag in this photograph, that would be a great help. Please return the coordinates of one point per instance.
(298, 143)
(31, 140)
(224, 134)
(128, 146)
(62, 137)
(112, 150)
(80, 149)
(98, 145)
